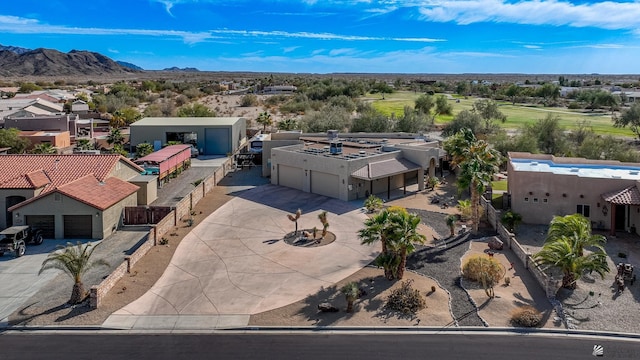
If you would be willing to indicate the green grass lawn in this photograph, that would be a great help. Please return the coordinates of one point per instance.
(517, 115)
(499, 185)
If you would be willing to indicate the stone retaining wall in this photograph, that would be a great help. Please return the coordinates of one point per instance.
(549, 284)
(183, 208)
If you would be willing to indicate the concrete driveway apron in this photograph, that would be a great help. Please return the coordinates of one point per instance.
(235, 262)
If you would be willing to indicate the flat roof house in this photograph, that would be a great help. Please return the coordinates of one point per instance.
(67, 196)
(606, 192)
(353, 166)
(211, 135)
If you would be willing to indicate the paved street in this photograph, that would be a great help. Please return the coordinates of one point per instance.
(234, 263)
(310, 346)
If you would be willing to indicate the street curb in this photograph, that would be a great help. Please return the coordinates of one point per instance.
(302, 330)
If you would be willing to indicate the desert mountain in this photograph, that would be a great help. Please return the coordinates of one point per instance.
(48, 62)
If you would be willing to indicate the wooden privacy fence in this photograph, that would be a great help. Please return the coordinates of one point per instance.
(143, 215)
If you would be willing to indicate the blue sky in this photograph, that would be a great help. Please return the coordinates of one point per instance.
(324, 36)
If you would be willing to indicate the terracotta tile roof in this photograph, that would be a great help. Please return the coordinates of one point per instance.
(380, 169)
(53, 171)
(89, 190)
(626, 196)
(100, 195)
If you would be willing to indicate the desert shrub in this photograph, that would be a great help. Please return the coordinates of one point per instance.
(249, 100)
(481, 266)
(406, 299)
(526, 316)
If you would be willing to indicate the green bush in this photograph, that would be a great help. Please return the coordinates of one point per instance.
(477, 267)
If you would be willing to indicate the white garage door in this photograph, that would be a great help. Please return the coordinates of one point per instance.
(290, 176)
(325, 184)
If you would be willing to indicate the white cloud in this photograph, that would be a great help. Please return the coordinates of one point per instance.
(290, 49)
(344, 51)
(606, 14)
(16, 25)
(114, 51)
(535, 47)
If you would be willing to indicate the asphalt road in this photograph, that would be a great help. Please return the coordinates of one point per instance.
(309, 346)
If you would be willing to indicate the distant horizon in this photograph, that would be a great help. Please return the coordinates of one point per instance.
(544, 37)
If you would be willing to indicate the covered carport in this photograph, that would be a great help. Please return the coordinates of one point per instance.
(386, 175)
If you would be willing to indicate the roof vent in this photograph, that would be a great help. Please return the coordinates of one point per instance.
(362, 153)
(335, 147)
(326, 148)
(332, 134)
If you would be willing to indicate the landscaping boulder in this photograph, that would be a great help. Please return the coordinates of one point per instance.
(495, 243)
(326, 307)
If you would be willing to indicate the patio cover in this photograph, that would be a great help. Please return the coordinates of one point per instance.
(385, 168)
(627, 196)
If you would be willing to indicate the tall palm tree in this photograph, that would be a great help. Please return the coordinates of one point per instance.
(404, 237)
(477, 162)
(75, 261)
(376, 229)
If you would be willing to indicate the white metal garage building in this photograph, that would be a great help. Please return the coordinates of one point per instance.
(211, 135)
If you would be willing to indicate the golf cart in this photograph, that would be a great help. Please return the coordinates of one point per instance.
(15, 238)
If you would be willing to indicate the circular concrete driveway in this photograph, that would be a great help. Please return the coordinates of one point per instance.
(235, 263)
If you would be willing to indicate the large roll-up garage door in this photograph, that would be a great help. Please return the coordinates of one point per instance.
(217, 141)
(325, 184)
(290, 176)
(46, 223)
(78, 226)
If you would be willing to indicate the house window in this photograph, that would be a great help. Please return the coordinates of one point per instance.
(584, 210)
(526, 199)
(535, 200)
(57, 197)
(545, 200)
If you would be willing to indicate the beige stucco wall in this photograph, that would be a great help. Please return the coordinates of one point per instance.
(124, 171)
(550, 194)
(102, 221)
(4, 193)
(112, 217)
(343, 168)
(148, 191)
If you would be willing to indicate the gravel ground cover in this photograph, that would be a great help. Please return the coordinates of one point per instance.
(442, 263)
(596, 304)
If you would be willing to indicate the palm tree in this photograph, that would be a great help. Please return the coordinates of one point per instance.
(577, 227)
(451, 223)
(84, 144)
(351, 292)
(511, 219)
(403, 237)
(567, 238)
(477, 162)
(376, 229)
(264, 119)
(75, 261)
(115, 137)
(44, 148)
(373, 203)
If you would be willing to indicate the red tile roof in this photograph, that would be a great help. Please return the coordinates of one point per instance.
(100, 195)
(626, 196)
(53, 171)
(89, 190)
